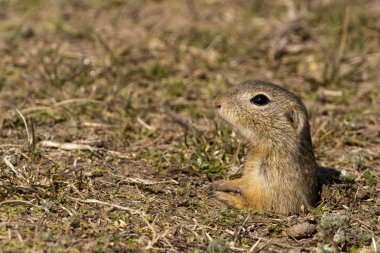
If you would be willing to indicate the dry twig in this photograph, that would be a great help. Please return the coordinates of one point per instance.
(29, 138)
(77, 146)
(59, 104)
(66, 146)
(10, 165)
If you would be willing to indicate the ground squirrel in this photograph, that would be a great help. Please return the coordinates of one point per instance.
(280, 168)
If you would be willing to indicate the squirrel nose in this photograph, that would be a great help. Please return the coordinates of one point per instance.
(218, 103)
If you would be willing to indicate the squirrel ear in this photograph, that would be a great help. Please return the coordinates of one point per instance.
(295, 118)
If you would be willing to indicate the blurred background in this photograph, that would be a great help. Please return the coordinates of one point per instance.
(129, 87)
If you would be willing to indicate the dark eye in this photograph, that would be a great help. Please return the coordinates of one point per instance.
(259, 99)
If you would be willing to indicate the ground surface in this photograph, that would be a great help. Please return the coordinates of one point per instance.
(129, 87)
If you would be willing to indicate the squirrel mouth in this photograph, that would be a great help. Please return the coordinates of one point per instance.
(244, 132)
(228, 121)
(225, 118)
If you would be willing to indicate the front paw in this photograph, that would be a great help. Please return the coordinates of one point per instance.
(230, 199)
(225, 186)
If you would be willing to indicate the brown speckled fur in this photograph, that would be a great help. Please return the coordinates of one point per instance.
(279, 173)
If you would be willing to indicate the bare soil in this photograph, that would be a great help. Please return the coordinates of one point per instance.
(109, 142)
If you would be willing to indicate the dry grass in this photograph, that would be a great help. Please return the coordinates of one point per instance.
(108, 139)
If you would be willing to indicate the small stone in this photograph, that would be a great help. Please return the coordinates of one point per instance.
(301, 230)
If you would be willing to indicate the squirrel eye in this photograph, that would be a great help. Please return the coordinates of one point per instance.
(259, 99)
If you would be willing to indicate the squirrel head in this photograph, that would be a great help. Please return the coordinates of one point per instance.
(265, 113)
